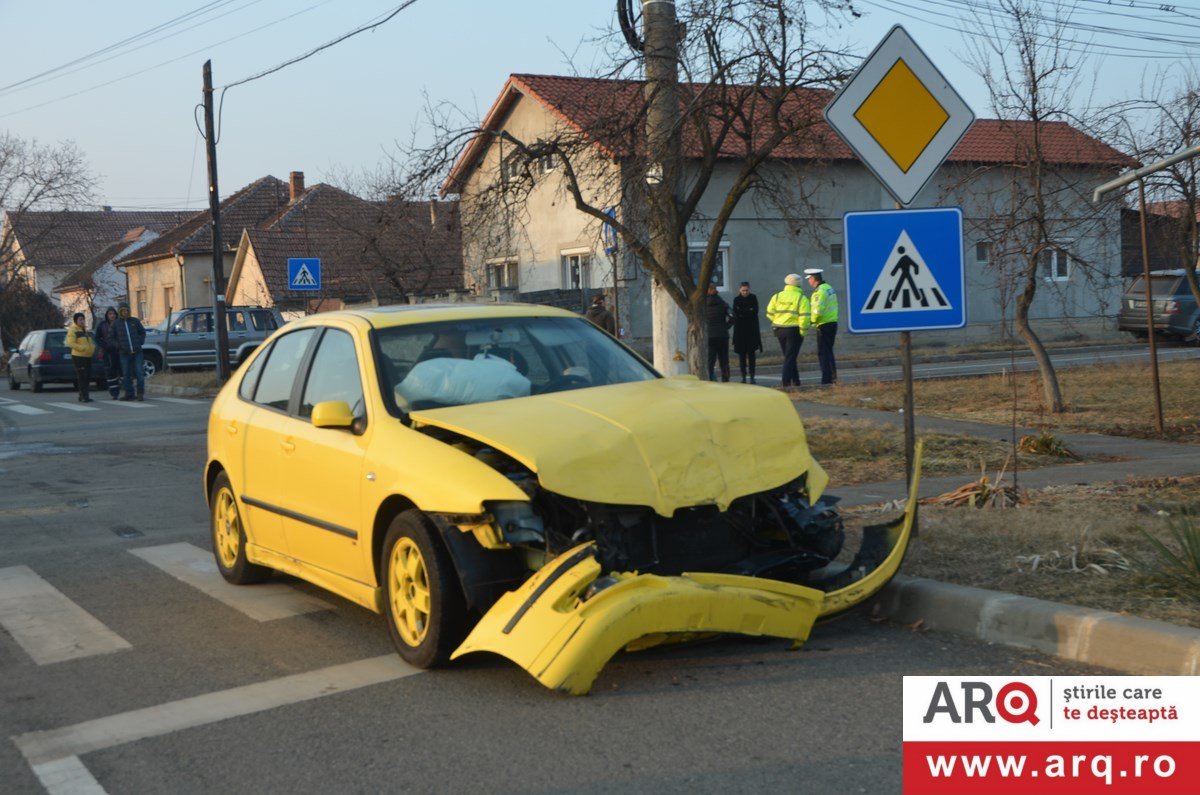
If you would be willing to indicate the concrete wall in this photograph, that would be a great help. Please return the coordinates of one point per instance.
(191, 282)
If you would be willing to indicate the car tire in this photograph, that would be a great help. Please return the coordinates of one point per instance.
(13, 383)
(229, 537)
(34, 384)
(151, 364)
(423, 603)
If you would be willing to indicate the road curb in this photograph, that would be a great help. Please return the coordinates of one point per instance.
(1092, 637)
(177, 391)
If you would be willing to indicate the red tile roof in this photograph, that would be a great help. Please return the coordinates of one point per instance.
(82, 276)
(248, 207)
(608, 111)
(56, 239)
(368, 250)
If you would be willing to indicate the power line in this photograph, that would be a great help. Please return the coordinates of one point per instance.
(200, 11)
(93, 63)
(369, 26)
(167, 62)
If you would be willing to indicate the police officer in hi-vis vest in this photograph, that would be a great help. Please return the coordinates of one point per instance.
(788, 312)
(823, 306)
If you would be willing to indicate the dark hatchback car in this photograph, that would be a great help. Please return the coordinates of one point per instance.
(44, 358)
(1175, 310)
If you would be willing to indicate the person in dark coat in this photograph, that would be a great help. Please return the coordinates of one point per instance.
(599, 315)
(106, 340)
(719, 318)
(131, 334)
(747, 340)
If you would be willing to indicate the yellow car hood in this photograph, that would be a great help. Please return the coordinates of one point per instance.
(666, 444)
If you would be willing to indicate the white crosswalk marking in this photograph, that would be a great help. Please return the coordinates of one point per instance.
(196, 567)
(21, 408)
(131, 404)
(73, 406)
(67, 776)
(47, 625)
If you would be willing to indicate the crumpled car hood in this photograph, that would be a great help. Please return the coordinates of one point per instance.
(666, 444)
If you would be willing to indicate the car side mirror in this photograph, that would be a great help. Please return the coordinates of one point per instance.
(332, 414)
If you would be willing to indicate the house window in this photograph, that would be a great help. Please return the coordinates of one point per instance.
(983, 251)
(502, 274)
(1056, 265)
(141, 304)
(696, 254)
(511, 167)
(577, 271)
(169, 299)
(547, 163)
(835, 254)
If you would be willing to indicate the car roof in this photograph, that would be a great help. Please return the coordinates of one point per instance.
(410, 314)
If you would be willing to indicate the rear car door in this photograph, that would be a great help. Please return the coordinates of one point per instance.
(191, 340)
(322, 468)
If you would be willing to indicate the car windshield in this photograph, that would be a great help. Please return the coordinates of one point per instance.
(1160, 286)
(455, 363)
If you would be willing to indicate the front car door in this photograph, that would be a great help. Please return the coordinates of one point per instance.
(191, 341)
(322, 468)
(264, 398)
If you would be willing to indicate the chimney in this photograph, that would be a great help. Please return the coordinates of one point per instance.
(433, 210)
(295, 186)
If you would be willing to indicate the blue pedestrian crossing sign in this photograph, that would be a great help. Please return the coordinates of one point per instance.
(304, 273)
(904, 270)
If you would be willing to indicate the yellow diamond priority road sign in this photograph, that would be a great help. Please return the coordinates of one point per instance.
(899, 115)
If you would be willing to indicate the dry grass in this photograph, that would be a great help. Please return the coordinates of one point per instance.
(200, 379)
(1081, 545)
(859, 451)
(1108, 399)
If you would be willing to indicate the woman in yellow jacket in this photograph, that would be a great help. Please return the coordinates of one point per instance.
(82, 349)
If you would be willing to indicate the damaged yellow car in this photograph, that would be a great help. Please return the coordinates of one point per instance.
(511, 479)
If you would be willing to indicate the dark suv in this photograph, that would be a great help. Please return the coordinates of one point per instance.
(188, 339)
(1175, 310)
(44, 358)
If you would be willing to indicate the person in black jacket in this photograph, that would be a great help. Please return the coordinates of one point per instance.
(106, 341)
(747, 340)
(717, 314)
(131, 335)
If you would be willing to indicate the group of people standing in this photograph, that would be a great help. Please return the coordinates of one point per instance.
(120, 337)
(792, 314)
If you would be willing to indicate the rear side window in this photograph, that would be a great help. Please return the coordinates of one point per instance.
(279, 373)
(250, 379)
(263, 321)
(334, 375)
(56, 340)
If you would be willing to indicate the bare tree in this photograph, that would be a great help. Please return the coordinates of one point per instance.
(1172, 123)
(36, 176)
(747, 101)
(1030, 67)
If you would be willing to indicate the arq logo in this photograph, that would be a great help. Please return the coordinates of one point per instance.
(1016, 702)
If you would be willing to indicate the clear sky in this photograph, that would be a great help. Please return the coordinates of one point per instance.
(343, 109)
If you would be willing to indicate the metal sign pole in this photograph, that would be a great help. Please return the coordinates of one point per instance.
(1158, 415)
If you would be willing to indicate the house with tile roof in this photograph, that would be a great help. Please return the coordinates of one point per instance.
(44, 247)
(175, 270)
(370, 252)
(815, 177)
(97, 283)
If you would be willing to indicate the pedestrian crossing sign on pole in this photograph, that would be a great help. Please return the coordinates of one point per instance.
(904, 270)
(304, 273)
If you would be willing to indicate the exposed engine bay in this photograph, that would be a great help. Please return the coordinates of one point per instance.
(775, 534)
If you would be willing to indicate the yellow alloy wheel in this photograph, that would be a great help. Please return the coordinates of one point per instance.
(409, 592)
(227, 529)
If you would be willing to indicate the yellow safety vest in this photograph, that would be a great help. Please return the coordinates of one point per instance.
(824, 305)
(789, 307)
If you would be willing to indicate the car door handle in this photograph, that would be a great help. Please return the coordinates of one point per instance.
(231, 428)
(288, 445)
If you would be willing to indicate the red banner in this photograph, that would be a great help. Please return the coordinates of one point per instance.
(1051, 768)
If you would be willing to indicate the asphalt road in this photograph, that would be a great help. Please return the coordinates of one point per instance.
(177, 684)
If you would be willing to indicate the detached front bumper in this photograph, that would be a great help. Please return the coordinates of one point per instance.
(563, 634)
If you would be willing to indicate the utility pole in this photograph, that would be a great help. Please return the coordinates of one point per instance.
(214, 207)
(661, 34)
